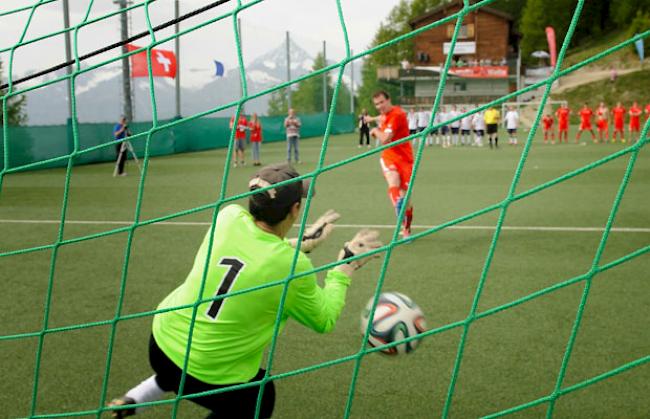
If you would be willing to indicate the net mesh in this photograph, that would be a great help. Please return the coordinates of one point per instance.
(501, 207)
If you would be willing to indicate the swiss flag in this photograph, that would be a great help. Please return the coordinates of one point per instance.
(163, 63)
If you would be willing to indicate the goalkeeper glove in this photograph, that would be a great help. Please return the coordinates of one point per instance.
(364, 241)
(318, 231)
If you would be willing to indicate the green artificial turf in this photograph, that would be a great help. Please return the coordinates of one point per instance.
(510, 358)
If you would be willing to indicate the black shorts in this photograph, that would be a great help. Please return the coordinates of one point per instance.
(229, 404)
(412, 131)
(512, 131)
(240, 144)
(479, 132)
(445, 130)
(464, 131)
(492, 128)
(420, 129)
(455, 130)
(435, 131)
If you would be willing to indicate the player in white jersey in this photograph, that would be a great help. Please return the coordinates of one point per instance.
(455, 125)
(465, 128)
(435, 132)
(412, 118)
(511, 121)
(478, 121)
(444, 130)
(423, 121)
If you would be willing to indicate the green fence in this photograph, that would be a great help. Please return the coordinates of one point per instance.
(32, 144)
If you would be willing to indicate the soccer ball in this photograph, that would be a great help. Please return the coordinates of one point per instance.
(396, 317)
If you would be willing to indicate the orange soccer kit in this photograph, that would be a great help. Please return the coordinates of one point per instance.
(398, 158)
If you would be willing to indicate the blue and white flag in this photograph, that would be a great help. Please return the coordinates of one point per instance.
(639, 48)
(219, 68)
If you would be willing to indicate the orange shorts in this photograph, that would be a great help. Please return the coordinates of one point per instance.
(403, 169)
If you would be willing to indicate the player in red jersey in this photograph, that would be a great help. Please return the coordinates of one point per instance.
(397, 161)
(585, 122)
(635, 122)
(647, 111)
(547, 123)
(563, 123)
(602, 122)
(618, 113)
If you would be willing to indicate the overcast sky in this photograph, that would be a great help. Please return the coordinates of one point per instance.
(263, 28)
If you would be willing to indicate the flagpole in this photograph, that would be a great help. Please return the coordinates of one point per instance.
(352, 84)
(177, 50)
(324, 78)
(241, 83)
(126, 76)
(68, 69)
(288, 89)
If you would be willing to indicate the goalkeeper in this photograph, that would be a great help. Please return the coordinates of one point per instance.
(231, 334)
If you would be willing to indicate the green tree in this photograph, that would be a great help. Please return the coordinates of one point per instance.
(308, 98)
(15, 107)
(278, 104)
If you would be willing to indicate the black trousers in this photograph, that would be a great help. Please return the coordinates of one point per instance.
(121, 157)
(229, 404)
(365, 132)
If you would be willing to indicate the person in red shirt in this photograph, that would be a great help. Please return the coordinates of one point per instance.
(547, 123)
(256, 138)
(618, 113)
(602, 122)
(647, 111)
(585, 122)
(240, 139)
(563, 123)
(635, 122)
(396, 161)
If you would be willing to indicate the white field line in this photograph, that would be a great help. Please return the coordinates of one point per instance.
(377, 226)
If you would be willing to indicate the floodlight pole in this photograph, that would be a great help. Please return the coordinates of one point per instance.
(126, 71)
(177, 51)
(68, 69)
(288, 89)
(324, 78)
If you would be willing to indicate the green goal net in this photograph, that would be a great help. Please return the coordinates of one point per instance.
(14, 88)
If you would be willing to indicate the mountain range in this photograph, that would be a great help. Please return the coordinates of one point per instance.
(98, 93)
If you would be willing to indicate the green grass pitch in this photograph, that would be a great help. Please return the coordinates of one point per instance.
(511, 357)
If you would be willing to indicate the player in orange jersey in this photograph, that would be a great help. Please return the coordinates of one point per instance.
(635, 122)
(396, 161)
(618, 113)
(547, 124)
(563, 123)
(585, 122)
(602, 122)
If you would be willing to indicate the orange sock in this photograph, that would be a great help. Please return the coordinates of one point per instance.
(408, 218)
(394, 195)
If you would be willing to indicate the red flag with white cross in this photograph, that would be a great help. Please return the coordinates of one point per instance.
(163, 63)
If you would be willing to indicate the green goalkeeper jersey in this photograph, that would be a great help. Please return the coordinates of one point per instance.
(230, 334)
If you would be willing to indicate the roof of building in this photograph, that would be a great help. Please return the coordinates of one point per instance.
(444, 6)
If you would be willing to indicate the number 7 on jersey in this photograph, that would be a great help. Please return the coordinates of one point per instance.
(236, 266)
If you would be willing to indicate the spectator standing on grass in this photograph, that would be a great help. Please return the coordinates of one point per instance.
(120, 132)
(292, 126)
(256, 138)
(240, 138)
(364, 128)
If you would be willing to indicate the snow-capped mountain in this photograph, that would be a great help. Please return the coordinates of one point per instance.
(99, 92)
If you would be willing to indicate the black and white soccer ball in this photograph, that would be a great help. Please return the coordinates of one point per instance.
(396, 317)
